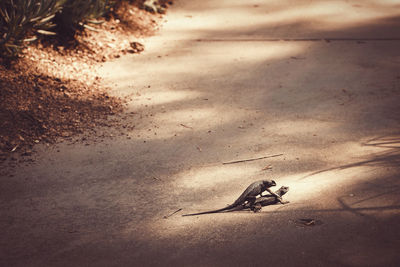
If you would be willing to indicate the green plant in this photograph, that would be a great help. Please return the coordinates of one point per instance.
(76, 13)
(21, 19)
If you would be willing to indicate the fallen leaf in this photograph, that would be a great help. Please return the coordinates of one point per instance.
(309, 222)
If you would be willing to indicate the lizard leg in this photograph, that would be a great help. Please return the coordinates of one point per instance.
(256, 208)
(251, 200)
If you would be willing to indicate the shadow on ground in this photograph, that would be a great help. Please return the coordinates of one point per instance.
(330, 107)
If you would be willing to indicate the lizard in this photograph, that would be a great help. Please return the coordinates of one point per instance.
(265, 201)
(249, 195)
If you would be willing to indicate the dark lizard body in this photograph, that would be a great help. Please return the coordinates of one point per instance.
(249, 195)
(264, 201)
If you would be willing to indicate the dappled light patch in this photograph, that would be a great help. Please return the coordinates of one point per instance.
(260, 21)
(219, 175)
(163, 97)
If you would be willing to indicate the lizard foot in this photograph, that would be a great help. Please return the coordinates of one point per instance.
(256, 208)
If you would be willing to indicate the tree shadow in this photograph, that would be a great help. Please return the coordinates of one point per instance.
(388, 158)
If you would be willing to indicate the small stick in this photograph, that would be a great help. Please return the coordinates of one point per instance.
(244, 160)
(183, 125)
(166, 216)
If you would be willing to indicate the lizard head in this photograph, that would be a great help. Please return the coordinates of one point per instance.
(283, 190)
(269, 183)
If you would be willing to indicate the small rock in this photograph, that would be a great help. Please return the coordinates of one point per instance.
(137, 47)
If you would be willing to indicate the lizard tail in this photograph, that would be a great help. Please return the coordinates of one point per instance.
(211, 211)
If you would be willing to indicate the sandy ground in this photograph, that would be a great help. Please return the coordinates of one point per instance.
(318, 81)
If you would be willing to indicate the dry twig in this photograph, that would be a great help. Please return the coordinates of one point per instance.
(245, 160)
(167, 216)
(183, 125)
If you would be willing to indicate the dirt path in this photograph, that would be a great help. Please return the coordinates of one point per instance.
(318, 81)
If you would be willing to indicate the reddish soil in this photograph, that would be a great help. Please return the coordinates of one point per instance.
(52, 93)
